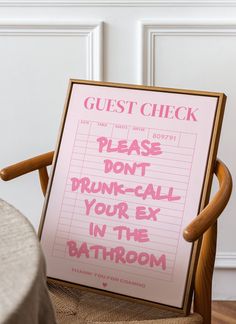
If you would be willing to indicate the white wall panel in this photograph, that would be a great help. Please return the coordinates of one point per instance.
(191, 47)
(199, 55)
(37, 61)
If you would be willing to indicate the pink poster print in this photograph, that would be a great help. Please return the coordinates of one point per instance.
(127, 180)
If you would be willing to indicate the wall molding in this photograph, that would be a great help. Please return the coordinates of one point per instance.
(151, 30)
(118, 3)
(225, 260)
(91, 30)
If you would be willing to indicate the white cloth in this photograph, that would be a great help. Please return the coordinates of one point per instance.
(23, 291)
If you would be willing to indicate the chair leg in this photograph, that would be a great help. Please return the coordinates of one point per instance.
(204, 274)
(43, 176)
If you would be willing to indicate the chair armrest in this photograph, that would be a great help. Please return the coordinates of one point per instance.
(26, 166)
(212, 211)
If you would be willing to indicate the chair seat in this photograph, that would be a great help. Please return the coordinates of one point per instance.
(74, 306)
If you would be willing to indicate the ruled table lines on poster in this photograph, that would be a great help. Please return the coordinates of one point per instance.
(123, 190)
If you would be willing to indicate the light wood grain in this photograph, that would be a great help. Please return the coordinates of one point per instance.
(224, 312)
(26, 166)
(211, 212)
(43, 176)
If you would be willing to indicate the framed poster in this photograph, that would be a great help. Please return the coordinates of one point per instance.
(133, 167)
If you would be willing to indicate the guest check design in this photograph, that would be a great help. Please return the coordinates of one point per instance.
(130, 173)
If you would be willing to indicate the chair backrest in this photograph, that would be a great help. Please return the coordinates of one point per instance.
(205, 266)
(203, 227)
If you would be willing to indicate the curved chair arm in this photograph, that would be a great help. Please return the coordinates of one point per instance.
(212, 211)
(26, 166)
(39, 163)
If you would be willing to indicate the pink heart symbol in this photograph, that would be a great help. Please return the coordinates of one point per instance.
(104, 284)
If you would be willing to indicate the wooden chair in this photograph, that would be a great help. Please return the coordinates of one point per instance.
(203, 226)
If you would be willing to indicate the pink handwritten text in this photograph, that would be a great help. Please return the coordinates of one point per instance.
(85, 185)
(117, 254)
(125, 168)
(145, 148)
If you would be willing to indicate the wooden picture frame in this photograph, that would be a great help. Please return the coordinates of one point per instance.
(133, 166)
